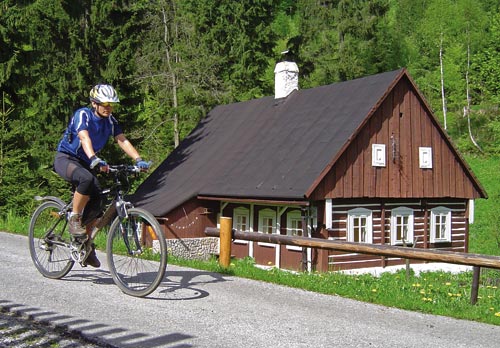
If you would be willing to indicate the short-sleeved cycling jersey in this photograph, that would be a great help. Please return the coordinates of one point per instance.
(99, 128)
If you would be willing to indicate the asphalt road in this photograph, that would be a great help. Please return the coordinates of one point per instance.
(193, 308)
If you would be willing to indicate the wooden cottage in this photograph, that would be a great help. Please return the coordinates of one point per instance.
(363, 161)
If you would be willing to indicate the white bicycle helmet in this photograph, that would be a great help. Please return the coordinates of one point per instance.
(103, 94)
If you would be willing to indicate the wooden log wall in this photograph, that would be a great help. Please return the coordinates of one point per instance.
(381, 226)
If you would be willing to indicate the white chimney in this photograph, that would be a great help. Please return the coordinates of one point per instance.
(286, 79)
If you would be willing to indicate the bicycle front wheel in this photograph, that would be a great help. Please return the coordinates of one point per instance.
(137, 253)
(49, 241)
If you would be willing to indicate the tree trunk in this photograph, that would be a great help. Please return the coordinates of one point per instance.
(467, 108)
(443, 98)
(3, 130)
(174, 81)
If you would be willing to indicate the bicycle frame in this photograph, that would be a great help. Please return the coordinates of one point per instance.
(118, 205)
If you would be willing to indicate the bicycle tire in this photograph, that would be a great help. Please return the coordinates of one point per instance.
(51, 258)
(142, 272)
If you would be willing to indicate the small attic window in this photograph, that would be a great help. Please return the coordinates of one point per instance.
(378, 155)
(425, 157)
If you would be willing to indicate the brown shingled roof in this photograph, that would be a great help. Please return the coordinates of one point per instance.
(264, 148)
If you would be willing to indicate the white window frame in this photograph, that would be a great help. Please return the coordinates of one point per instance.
(328, 213)
(437, 214)
(241, 212)
(293, 231)
(268, 214)
(378, 155)
(396, 215)
(425, 157)
(291, 216)
(352, 216)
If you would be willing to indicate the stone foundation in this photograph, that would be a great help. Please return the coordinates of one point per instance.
(193, 248)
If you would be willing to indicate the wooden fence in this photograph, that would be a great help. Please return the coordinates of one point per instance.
(226, 233)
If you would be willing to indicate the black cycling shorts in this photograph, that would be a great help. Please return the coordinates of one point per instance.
(83, 180)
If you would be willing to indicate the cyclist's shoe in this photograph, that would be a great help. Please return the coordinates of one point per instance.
(91, 259)
(75, 226)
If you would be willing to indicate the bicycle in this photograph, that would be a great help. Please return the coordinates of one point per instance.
(135, 246)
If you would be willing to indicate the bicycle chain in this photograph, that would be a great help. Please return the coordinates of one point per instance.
(80, 249)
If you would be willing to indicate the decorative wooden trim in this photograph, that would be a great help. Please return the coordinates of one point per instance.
(256, 201)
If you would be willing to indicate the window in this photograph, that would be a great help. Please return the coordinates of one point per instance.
(402, 226)
(267, 224)
(378, 155)
(359, 227)
(425, 157)
(294, 223)
(294, 227)
(241, 219)
(241, 222)
(267, 221)
(440, 225)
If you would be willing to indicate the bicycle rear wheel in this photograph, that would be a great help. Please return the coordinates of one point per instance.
(49, 241)
(136, 253)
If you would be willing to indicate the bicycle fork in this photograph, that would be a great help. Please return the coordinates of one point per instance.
(130, 228)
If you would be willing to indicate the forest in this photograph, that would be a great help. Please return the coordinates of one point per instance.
(172, 61)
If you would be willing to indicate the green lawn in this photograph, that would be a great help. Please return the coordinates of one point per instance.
(485, 232)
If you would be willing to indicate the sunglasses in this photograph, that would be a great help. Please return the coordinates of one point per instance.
(106, 104)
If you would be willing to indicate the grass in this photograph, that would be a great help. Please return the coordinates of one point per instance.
(437, 293)
(14, 223)
(485, 231)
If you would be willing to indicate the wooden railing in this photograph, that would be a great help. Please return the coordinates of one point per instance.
(226, 233)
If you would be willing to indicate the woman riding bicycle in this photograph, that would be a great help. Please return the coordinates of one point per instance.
(87, 133)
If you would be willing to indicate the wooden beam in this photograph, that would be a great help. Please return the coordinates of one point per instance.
(226, 225)
(475, 285)
(434, 255)
(257, 201)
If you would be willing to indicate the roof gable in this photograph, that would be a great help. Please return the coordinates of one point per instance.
(402, 124)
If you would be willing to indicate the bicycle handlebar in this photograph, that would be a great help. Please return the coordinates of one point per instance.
(113, 168)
